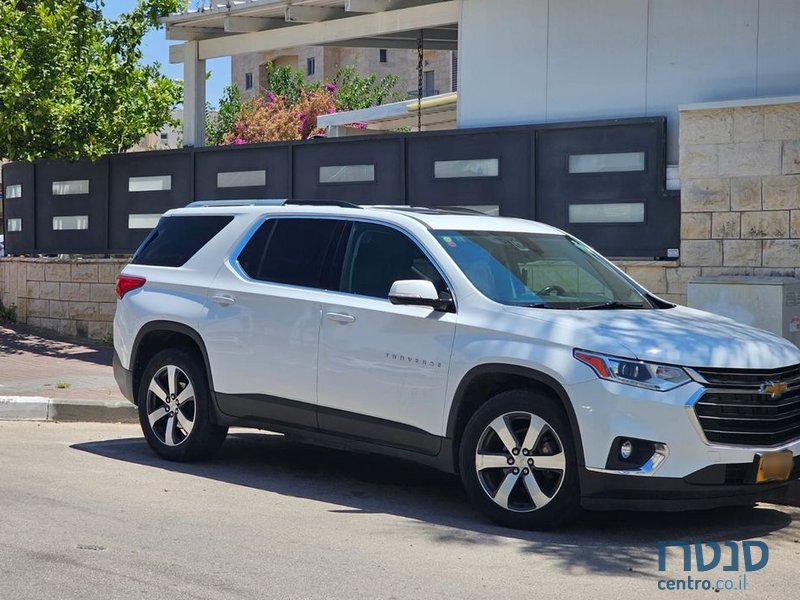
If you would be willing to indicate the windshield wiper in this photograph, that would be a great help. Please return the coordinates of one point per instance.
(612, 304)
(535, 305)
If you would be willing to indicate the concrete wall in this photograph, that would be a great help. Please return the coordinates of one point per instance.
(74, 297)
(534, 61)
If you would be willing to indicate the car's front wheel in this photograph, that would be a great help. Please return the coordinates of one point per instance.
(518, 461)
(175, 407)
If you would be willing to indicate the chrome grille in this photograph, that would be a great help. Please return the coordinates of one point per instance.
(749, 418)
(748, 378)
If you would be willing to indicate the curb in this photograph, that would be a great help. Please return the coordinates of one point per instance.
(38, 408)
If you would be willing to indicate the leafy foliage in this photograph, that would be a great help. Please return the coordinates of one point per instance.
(273, 119)
(8, 313)
(71, 82)
(288, 110)
(229, 107)
(355, 92)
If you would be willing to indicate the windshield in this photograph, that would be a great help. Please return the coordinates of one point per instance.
(539, 270)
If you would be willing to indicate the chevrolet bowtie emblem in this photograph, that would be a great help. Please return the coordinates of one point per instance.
(775, 389)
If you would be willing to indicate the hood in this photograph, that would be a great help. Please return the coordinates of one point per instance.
(680, 336)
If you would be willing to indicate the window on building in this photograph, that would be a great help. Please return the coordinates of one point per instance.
(248, 81)
(165, 136)
(383, 55)
(311, 65)
(428, 88)
(14, 225)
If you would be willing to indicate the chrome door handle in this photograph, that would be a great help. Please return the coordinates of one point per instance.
(223, 300)
(340, 317)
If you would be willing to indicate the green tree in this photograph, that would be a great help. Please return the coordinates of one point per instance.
(228, 113)
(354, 91)
(72, 84)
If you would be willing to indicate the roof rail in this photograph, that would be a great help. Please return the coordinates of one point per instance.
(207, 203)
(271, 202)
(339, 203)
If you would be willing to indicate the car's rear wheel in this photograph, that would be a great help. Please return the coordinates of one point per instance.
(175, 407)
(518, 461)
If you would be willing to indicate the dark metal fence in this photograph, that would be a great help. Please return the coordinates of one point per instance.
(603, 181)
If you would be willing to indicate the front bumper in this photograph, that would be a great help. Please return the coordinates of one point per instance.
(607, 410)
(695, 474)
(712, 487)
(124, 379)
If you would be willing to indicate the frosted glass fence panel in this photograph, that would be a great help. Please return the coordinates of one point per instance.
(69, 188)
(628, 212)
(347, 174)
(456, 169)
(235, 179)
(71, 223)
(152, 183)
(143, 221)
(616, 162)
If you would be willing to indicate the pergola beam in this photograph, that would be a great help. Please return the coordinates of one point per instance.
(312, 14)
(394, 43)
(378, 24)
(373, 6)
(250, 24)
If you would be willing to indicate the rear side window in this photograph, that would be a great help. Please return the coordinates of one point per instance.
(291, 251)
(177, 239)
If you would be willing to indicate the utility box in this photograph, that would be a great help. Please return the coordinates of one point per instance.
(771, 303)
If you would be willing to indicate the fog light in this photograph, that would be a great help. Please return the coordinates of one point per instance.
(626, 449)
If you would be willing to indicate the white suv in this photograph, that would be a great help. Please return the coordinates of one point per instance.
(501, 349)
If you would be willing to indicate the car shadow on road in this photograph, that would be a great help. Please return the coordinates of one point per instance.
(611, 543)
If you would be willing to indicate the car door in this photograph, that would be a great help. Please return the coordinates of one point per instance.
(383, 368)
(262, 330)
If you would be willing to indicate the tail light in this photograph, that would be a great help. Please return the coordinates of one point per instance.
(128, 283)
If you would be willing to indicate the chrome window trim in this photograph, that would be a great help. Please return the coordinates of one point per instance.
(233, 257)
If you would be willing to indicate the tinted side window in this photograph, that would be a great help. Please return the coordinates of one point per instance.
(291, 251)
(377, 256)
(177, 239)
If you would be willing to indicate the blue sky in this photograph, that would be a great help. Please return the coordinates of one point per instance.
(156, 49)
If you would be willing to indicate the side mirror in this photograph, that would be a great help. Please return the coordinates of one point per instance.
(418, 292)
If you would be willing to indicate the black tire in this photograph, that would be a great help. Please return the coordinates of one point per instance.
(204, 437)
(560, 502)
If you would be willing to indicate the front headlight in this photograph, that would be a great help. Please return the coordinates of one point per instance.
(633, 372)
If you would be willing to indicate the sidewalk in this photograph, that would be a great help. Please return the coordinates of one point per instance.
(56, 378)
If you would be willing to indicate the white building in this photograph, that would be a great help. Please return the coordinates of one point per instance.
(532, 61)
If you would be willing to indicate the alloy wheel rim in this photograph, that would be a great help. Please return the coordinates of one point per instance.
(520, 462)
(171, 405)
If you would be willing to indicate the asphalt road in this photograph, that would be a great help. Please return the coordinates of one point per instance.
(89, 512)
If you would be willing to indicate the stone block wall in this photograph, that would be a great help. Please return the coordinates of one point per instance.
(740, 195)
(740, 189)
(74, 297)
